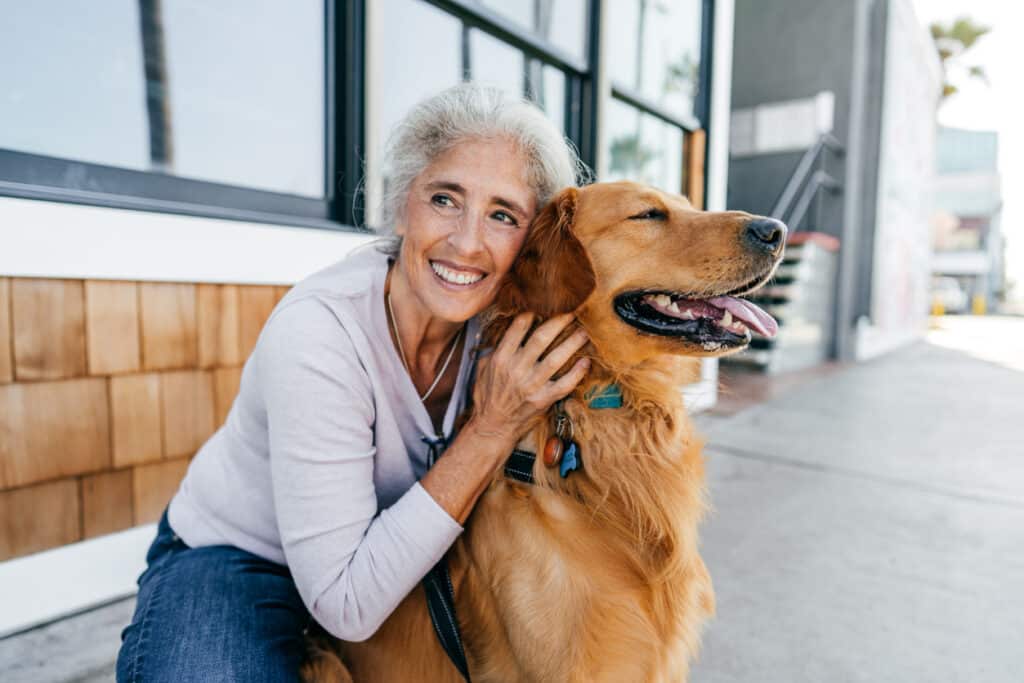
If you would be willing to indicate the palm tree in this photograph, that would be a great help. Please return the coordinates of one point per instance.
(952, 41)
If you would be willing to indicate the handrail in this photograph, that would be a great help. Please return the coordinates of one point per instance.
(820, 179)
(802, 173)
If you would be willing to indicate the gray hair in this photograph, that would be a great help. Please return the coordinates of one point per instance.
(473, 112)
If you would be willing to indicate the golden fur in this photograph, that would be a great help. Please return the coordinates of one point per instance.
(595, 577)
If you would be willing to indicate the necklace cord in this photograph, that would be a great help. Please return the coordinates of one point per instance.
(405, 361)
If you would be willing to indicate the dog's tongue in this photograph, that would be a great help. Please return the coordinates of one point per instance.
(750, 314)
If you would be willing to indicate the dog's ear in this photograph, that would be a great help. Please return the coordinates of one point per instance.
(552, 274)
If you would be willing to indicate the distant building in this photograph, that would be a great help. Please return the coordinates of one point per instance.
(864, 76)
(967, 241)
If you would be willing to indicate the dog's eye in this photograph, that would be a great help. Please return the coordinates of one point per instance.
(650, 215)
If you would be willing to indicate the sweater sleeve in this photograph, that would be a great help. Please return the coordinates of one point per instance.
(351, 566)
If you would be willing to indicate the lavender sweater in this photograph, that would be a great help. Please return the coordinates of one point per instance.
(317, 464)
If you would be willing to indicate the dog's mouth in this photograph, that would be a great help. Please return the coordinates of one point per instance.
(715, 323)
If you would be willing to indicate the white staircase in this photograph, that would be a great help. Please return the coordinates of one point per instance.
(800, 296)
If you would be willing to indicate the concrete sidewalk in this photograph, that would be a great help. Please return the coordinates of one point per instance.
(869, 525)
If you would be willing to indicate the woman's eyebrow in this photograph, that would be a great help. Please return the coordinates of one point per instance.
(509, 204)
(445, 185)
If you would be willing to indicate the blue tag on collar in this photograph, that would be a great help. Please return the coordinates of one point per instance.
(608, 397)
(570, 460)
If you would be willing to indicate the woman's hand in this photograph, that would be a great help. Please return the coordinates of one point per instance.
(514, 385)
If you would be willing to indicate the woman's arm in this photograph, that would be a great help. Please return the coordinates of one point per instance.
(353, 566)
(513, 387)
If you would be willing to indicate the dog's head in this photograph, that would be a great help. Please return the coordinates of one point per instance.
(645, 272)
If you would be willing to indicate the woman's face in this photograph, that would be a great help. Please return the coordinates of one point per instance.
(466, 217)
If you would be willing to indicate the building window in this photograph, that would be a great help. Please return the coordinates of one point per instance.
(657, 52)
(547, 87)
(279, 111)
(562, 23)
(176, 102)
(496, 63)
(85, 101)
(252, 115)
(657, 66)
(643, 148)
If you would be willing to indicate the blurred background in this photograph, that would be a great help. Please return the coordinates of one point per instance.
(168, 168)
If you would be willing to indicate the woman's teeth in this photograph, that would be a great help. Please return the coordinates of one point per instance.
(454, 277)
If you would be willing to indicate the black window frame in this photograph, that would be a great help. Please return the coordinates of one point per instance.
(35, 176)
(581, 75)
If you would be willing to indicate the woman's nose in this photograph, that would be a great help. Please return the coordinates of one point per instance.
(467, 238)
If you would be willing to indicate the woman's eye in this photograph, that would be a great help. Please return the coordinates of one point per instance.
(650, 215)
(442, 200)
(506, 218)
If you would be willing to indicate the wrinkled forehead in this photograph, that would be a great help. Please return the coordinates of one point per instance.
(602, 204)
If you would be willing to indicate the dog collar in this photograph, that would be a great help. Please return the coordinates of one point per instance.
(519, 465)
(607, 397)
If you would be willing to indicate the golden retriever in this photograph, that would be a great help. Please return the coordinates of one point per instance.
(596, 576)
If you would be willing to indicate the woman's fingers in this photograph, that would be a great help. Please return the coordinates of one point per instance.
(542, 337)
(562, 353)
(561, 387)
(514, 335)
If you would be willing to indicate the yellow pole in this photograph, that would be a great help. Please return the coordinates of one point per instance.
(978, 304)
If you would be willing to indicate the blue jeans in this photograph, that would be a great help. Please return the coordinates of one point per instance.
(212, 614)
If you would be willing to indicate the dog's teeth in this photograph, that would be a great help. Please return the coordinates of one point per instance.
(663, 300)
(689, 315)
(674, 307)
(727, 319)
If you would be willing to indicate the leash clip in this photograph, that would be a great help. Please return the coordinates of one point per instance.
(563, 425)
(561, 449)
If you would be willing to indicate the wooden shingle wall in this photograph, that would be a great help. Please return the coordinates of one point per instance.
(107, 389)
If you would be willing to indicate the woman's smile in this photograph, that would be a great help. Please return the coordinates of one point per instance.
(454, 275)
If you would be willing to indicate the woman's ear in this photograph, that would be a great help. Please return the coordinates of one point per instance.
(553, 272)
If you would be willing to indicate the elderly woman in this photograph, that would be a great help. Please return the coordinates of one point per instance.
(320, 495)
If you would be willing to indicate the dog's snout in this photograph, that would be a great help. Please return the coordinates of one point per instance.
(765, 234)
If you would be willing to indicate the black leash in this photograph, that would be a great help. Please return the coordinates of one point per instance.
(438, 582)
(441, 605)
(519, 467)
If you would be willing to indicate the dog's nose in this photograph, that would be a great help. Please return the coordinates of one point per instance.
(765, 234)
